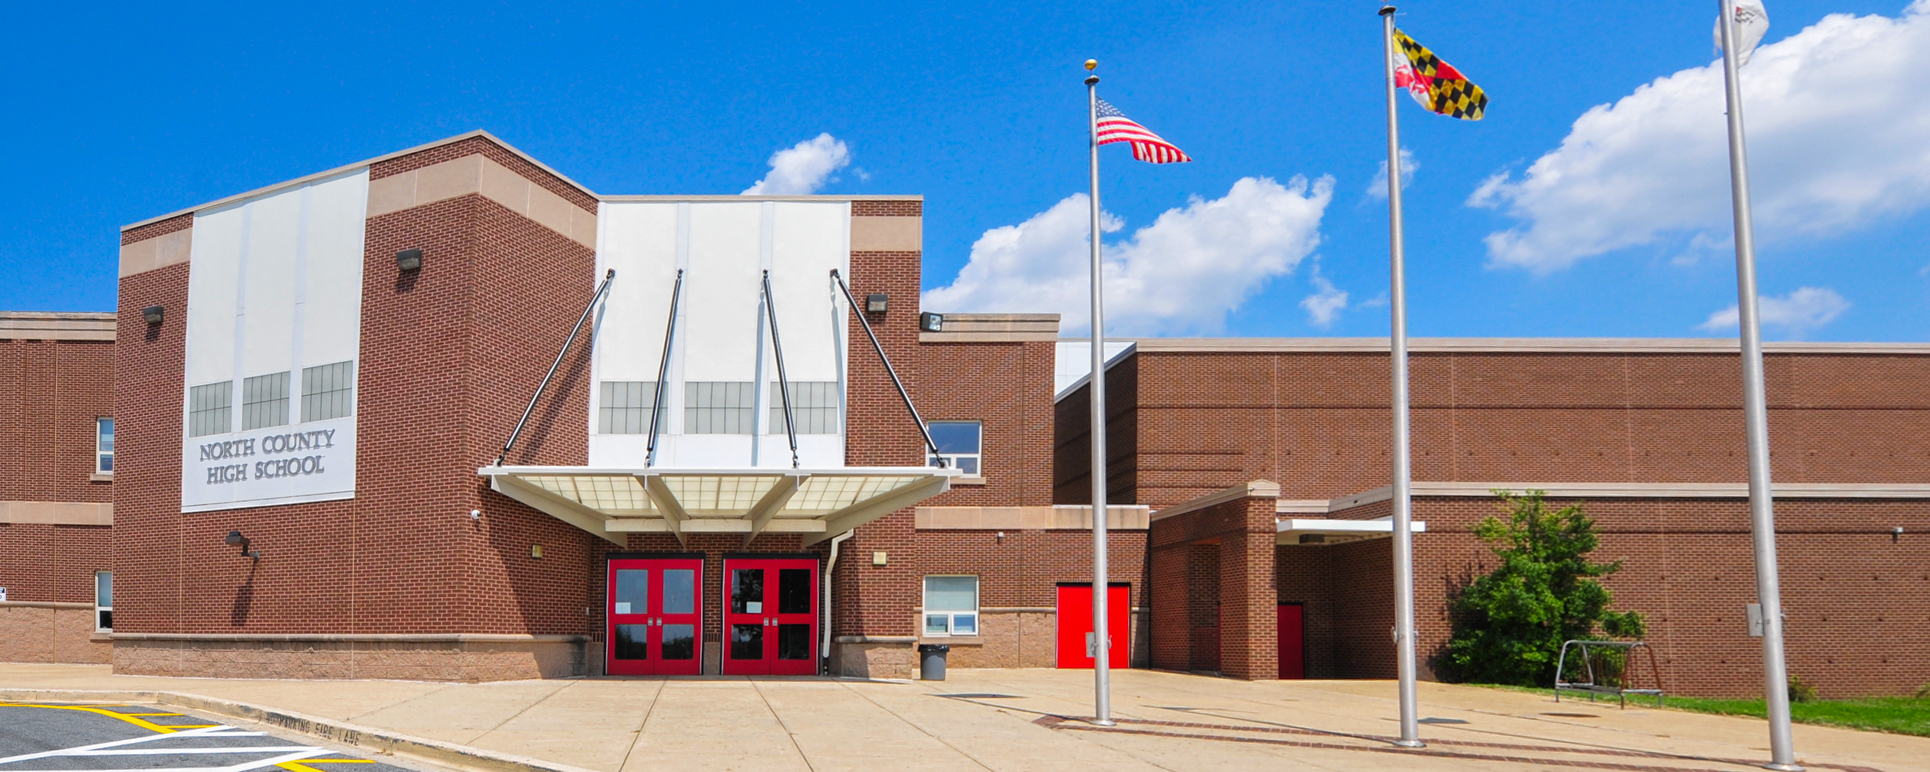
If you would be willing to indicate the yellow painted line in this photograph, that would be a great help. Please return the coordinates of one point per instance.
(148, 725)
(303, 766)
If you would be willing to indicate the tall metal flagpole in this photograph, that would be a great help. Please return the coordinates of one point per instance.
(1762, 514)
(1101, 671)
(1403, 498)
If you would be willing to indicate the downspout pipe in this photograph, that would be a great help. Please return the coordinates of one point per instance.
(830, 565)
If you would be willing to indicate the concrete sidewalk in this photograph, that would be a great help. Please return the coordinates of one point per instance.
(1010, 720)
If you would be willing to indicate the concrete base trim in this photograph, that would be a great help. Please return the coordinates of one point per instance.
(352, 637)
(466, 658)
(376, 741)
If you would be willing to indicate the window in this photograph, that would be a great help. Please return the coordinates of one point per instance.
(211, 409)
(103, 446)
(951, 605)
(958, 444)
(328, 391)
(623, 407)
(104, 601)
(813, 403)
(264, 401)
(718, 407)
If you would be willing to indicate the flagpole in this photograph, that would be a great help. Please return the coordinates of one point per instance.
(1403, 493)
(1102, 644)
(1762, 514)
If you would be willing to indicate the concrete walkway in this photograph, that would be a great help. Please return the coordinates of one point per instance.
(1015, 720)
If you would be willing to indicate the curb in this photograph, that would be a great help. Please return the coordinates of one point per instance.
(353, 735)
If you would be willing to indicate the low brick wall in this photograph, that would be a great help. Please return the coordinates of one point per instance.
(51, 633)
(426, 658)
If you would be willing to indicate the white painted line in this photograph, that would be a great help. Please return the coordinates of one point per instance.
(207, 731)
(173, 751)
(242, 767)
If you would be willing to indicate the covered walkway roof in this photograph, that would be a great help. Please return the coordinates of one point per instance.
(818, 503)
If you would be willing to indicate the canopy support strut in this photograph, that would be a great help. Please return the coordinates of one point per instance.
(875, 346)
(663, 369)
(607, 277)
(783, 383)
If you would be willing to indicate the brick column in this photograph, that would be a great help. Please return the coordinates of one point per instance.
(1172, 631)
(1248, 629)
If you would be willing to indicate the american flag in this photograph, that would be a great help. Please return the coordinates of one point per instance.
(1114, 126)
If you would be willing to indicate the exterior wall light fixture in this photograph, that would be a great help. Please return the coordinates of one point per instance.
(152, 315)
(235, 538)
(409, 260)
(876, 302)
(930, 322)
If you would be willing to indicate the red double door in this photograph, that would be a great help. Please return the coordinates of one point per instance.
(656, 615)
(1076, 640)
(770, 615)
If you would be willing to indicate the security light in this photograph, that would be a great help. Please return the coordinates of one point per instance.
(152, 314)
(876, 302)
(235, 538)
(409, 260)
(930, 322)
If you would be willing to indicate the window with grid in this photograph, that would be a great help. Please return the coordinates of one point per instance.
(623, 407)
(951, 605)
(211, 409)
(103, 446)
(719, 407)
(813, 403)
(104, 601)
(264, 401)
(328, 391)
(959, 444)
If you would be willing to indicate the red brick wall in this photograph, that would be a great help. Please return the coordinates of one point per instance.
(1317, 423)
(1855, 601)
(149, 365)
(50, 394)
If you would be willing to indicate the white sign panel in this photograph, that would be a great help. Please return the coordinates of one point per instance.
(279, 465)
(274, 334)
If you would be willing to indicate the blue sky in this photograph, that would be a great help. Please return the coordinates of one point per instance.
(124, 112)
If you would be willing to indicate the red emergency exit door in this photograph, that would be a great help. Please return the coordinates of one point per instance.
(1075, 624)
(1292, 640)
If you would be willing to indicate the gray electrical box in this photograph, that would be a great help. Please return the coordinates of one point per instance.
(1755, 620)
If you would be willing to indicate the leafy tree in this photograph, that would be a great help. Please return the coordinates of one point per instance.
(1510, 624)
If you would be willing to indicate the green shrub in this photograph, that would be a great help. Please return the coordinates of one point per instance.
(1800, 691)
(1923, 692)
(1509, 625)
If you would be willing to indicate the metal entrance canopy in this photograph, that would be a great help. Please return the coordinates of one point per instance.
(818, 503)
(1293, 530)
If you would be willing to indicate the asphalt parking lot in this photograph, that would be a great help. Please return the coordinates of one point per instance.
(55, 737)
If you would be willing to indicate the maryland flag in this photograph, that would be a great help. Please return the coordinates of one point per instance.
(1436, 84)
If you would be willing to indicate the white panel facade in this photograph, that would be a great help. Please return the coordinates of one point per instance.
(274, 289)
(722, 334)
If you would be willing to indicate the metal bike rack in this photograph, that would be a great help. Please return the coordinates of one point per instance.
(1592, 683)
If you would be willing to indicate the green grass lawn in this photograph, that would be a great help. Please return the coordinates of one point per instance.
(1901, 715)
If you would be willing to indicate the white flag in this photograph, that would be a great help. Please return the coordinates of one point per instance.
(1752, 21)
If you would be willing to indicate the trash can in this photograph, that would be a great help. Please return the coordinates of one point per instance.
(931, 661)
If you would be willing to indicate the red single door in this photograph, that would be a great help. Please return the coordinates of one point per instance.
(1075, 624)
(655, 612)
(1292, 640)
(770, 615)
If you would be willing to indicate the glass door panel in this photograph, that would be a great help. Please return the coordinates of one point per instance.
(794, 651)
(679, 617)
(745, 619)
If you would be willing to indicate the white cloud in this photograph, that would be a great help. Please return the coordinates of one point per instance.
(1836, 139)
(1184, 272)
(1796, 313)
(802, 168)
(1377, 187)
(1325, 304)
